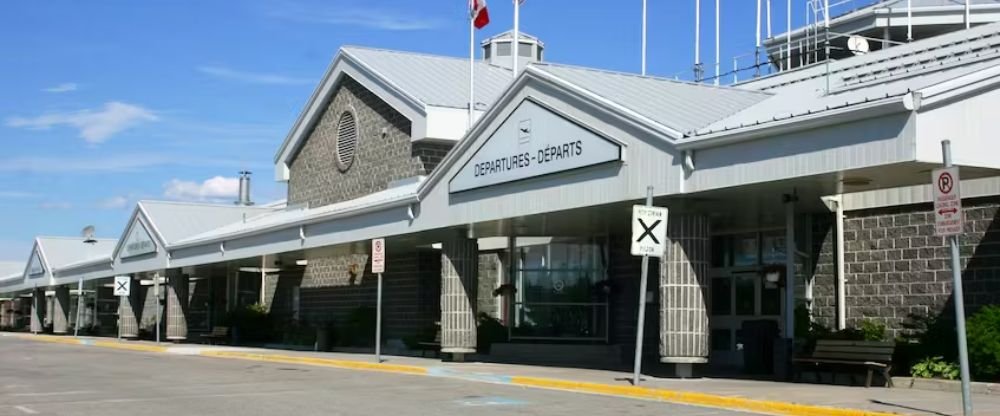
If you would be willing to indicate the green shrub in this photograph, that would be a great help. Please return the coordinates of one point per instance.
(253, 323)
(983, 330)
(490, 331)
(872, 330)
(935, 367)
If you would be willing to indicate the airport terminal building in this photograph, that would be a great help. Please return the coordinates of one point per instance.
(798, 194)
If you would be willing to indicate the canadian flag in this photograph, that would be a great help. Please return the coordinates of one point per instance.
(480, 16)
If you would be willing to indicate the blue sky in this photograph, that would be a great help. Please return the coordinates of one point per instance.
(107, 102)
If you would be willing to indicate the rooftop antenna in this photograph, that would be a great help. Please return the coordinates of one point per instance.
(756, 50)
(788, 38)
(88, 234)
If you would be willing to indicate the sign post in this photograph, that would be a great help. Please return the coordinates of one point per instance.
(123, 287)
(378, 267)
(79, 306)
(948, 223)
(649, 234)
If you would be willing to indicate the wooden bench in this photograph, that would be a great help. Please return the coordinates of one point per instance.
(434, 346)
(873, 355)
(218, 333)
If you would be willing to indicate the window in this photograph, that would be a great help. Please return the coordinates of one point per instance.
(721, 296)
(347, 140)
(486, 51)
(746, 299)
(503, 49)
(524, 49)
(722, 339)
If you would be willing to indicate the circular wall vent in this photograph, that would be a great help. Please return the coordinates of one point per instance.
(347, 140)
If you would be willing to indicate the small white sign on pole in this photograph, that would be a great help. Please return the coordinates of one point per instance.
(649, 230)
(947, 202)
(123, 285)
(378, 255)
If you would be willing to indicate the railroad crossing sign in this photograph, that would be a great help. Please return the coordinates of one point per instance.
(649, 230)
(947, 202)
(123, 285)
(378, 255)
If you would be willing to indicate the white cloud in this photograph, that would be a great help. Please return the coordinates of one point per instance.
(55, 205)
(213, 189)
(61, 88)
(252, 77)
(95, 126)
(368, 17)
(115, 202)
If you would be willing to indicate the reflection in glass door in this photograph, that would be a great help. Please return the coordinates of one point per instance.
(559, 294)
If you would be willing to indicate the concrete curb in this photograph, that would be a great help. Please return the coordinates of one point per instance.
(932, 384)
(633, 392)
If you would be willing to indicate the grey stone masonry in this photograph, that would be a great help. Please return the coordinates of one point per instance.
(490, 269)
(177, 305)
(37, 310)
(684, 286)
(459, 283)
(384, 154)
(130, 311)
(60, 313)
(897, 269)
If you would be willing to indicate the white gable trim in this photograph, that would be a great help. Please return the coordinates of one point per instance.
(346, 64)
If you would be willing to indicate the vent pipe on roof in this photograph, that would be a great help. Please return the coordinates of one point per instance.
(244, 194)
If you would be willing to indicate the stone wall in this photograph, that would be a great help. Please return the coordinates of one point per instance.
(490, 268)
(898, 269)
(384, 151)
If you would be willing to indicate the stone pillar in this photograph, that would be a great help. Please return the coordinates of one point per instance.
(177, 305)
(684, 285)
(130, 310)
(4, 316)
(49, 307)
(459, 281)
(37, 310)
(60, 310)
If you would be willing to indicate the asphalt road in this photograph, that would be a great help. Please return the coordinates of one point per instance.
(54, 379)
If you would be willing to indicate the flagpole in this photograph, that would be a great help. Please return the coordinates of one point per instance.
(644, 37)
(515, 49)
(472, 68)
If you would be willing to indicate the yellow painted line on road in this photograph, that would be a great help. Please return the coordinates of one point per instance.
(326, 362)
(131, 347)
(51, 339)
(693, 398)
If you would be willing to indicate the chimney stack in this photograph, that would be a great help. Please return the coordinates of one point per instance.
(244, 195)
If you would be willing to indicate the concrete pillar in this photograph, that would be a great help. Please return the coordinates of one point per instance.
(37, 310)
(49, 307)
(60, 310)
(684, 285)
(4, 316)
(130, 311)
(459, 282)
(177, 305)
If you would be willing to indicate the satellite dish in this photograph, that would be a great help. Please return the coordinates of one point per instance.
(88, 234)
(858, 45)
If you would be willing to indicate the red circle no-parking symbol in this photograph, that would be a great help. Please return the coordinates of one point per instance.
(945, 183)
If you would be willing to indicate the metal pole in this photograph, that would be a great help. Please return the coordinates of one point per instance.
(156, 294)
(378, 322)
(643, 37)
(79, 305)
(697, 41)
(826, 32)
(968, 16)
(120, 318)
(756, 50)
(909, 21)
(790, 266)
(956, 274)
(768, 19)
(637, 367)
(516, 49)
(788, 37)
(472, 71)
(718, 60)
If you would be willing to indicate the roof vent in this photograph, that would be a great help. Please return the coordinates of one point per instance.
(347, 141)
(244, 194)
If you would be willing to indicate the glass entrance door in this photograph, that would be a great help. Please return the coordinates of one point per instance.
(559, 294)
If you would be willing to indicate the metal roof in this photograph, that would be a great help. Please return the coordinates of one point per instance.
(175, 221)
(434, 80)
(11, 270)
(510, 35)
(679, 105)
(884, 74)
(404, 190)
(59, 252)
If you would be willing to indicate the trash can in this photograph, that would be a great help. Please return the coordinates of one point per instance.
(758, 346)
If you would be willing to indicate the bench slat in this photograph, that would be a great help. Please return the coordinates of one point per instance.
(824, 361)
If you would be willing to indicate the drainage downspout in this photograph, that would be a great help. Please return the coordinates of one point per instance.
(841, 280)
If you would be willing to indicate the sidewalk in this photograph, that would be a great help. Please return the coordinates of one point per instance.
(755, 396)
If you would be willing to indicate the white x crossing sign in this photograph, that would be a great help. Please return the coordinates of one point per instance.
(649, 230)
(123, 285)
